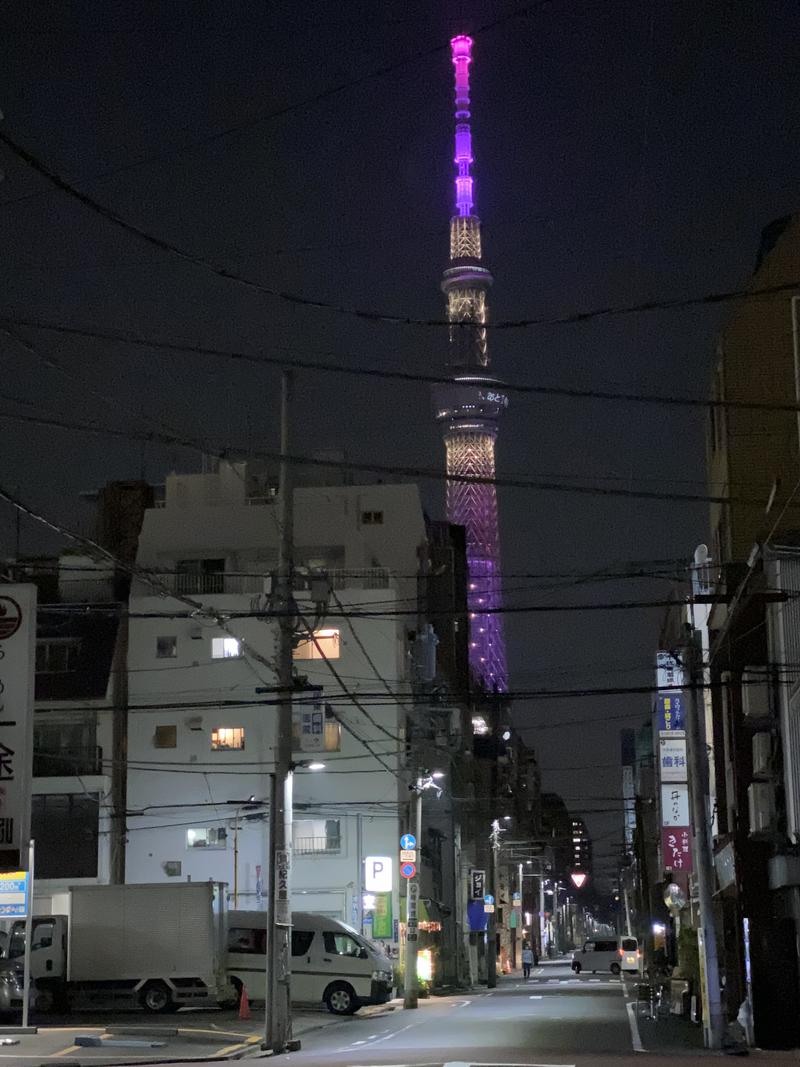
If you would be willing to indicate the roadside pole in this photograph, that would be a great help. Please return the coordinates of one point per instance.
(713, 1020)
(26, 979)
(542, 919)
(278, 1021)
(411, 980)
(491, 932)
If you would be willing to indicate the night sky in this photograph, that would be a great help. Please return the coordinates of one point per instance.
(625, 151)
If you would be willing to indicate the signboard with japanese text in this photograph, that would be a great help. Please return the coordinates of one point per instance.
(672, 759)
(671, 713)
(408, 855)
(17, 659)
(676, 847)
(283, 904)
(14, 895)
(310, 724)
(477, 884)
(670, 673)
(382, 922)
(674, 805)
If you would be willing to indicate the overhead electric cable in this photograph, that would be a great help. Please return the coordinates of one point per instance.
(298, 300)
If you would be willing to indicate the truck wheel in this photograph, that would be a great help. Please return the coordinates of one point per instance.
(156, 998)
(341, 999)
(233, 1004)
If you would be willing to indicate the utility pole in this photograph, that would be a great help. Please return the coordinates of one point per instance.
(713, 1019)
(491, 933)
(411, 980)
(278, 1021)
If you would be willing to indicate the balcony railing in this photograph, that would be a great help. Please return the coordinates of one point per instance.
(315, 846)
(365, 578)
(216, 584)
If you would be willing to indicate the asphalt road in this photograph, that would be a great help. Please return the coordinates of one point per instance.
(549, 1019)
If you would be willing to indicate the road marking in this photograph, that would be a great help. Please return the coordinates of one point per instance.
(462, 1004)
(537, 997)
(64, 1051)
(637, 1041)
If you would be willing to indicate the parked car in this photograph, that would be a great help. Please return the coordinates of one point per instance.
(614, 955)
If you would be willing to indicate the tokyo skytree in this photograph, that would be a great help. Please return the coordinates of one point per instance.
(469, 408)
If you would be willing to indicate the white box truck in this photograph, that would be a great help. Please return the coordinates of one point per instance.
(157, 947)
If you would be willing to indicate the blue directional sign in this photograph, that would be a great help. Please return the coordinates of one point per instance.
(408, 841)
(488, 899)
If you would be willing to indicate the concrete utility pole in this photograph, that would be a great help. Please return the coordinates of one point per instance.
(491, 932)
(278, 1021)
(713, 1020)
(411, 980)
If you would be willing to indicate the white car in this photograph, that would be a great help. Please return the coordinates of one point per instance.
(614, 955)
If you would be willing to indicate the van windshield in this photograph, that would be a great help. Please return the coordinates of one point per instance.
(629, 944)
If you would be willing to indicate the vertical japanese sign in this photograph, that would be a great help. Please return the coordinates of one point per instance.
(676, 834)
(17, 662)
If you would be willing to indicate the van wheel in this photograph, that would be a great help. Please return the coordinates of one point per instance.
(156, 998)
(341, 999)
(576, 968)
(615, 968)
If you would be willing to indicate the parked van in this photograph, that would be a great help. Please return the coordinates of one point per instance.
(608, 954)
(331, 963)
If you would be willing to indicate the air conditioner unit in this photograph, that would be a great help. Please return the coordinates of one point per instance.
(761, 802)
(762, 755)
(755, 694)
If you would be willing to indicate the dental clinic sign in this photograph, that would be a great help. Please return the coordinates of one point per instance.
(17, 662)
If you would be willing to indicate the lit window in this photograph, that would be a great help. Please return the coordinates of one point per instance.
(207, 837)
(225, 648)
(166, 647)
(326, 646)
(225, 738)
(479, 725)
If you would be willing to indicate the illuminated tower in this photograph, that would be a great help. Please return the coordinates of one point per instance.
(470, 407)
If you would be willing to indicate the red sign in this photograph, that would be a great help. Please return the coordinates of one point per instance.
(676, 846)
(408, 870)
(10, 617)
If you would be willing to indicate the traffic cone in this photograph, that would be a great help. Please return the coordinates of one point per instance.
(244, 1004)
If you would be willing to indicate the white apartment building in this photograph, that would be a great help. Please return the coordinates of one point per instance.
(201, 738)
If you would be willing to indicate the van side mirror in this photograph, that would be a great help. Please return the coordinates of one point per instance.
(363, 954)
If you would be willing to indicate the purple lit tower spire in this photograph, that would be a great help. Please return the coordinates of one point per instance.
(470, 407)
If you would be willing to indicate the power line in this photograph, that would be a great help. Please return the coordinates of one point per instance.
(298, 300)
(339, 368)
(308, 101)
(428, 473)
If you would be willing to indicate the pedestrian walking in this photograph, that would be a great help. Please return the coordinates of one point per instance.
(527, 960)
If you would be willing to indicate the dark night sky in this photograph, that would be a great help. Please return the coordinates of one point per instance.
(625, 150)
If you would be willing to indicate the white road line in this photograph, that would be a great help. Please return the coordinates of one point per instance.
(462, 1004)
(637, 1041)
(539, 997)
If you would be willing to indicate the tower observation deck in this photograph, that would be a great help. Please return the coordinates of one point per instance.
(469, 408)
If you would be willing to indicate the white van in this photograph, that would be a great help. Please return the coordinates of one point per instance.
(331, 963)
(614, 954)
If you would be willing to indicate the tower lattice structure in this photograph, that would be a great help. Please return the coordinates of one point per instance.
(470, 406)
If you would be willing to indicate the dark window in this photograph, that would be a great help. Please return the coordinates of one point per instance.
(166, 737)
(61, 749)
(65, 828)
(57, 657)
(341, 944)
(372, 518)
(301, 941)
(247, 941)
(166, 647)
(629, 944)
(200, 576)
(605, 946)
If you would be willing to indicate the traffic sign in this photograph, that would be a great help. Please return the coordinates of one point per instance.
(408, 855)
(413, 890)
(488, 899)
(408, 841)
(488, 908)
(408, 870)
